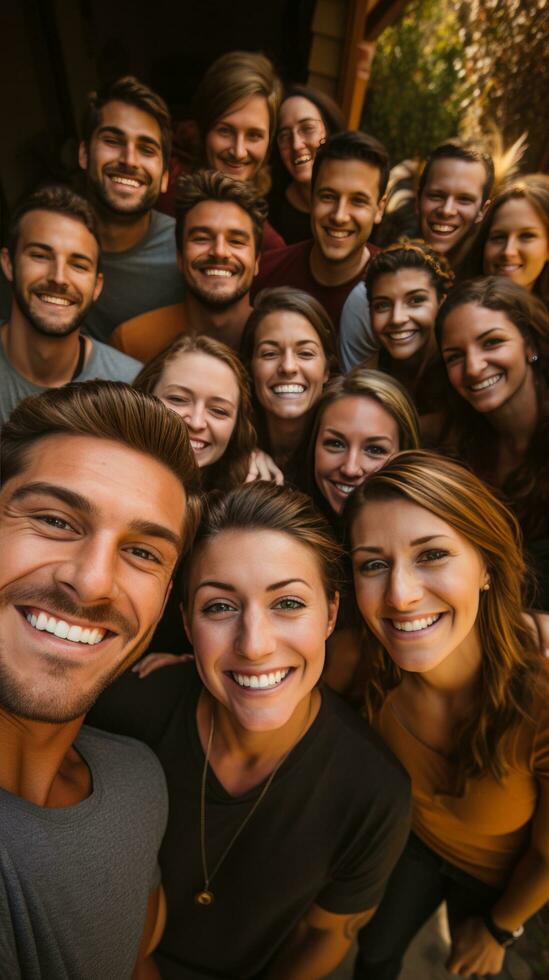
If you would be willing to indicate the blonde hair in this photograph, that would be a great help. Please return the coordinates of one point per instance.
(510, 658)
(231, 470)
(232, 78)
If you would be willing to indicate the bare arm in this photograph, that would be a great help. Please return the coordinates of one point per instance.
(319, 943)
(155, 920)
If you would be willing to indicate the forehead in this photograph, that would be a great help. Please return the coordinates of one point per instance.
(63, 234)
(296, 108)
(134, 122)
(457, 176)
(517, 213)
(122, 484)
(360, 415)
(205, 376)
(288, 558)
(286, 327)
(248, 113)
(219, 217)
(396, 522)
(400, 282)
(349, 177)
(470, 320)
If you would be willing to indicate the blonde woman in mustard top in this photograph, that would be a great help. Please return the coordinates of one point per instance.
(457, 688)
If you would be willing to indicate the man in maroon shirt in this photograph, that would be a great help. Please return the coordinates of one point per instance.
(349, 179)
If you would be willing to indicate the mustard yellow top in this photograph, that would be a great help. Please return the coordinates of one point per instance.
(144, 336)
(485, 828)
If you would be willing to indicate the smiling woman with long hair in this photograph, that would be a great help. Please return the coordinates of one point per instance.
(457, 688)
(273, 823)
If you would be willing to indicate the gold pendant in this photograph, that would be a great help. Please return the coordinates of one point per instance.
(204, 897)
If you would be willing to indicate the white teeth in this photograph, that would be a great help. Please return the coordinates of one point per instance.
(127, 181)
(337, 234)
(262, 681)
(489, 383)
(220, 273)
(304, 158)
(288, 389)
(401, 334)
(345, 487)
(62, 629)
(411, 626)
(55, 300)
(442, 229)
(197, 444)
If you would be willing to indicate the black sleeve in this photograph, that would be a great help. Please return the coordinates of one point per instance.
(141, 708)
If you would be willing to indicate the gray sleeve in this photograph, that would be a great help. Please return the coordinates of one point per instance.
(356, 338)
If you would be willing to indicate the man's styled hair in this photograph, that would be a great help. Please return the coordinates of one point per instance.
(211, 185)
(57, 199)
(469, 152)
(354, 145)
(105, 410)
(133, 92)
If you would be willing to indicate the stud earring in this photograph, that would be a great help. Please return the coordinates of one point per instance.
(485, 587)
(532, 358)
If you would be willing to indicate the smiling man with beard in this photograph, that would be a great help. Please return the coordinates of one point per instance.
(52, 264)
(219, 229)
(125, 154)
(95, 509)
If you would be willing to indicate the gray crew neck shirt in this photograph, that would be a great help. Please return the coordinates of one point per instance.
(103, 364)
(75, 881)
(141, 279)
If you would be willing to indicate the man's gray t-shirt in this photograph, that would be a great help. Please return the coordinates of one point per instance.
(75, 881)
(141, 279)
(103, 364)
(357, 341)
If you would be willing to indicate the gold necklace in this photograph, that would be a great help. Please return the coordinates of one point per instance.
(206, 896)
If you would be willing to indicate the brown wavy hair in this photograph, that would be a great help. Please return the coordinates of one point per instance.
(511, 662)
(231, 470)
(527, 487)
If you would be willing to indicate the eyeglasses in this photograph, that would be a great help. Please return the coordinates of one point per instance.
(310, 129)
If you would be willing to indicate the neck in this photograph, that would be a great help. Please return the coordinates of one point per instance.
(226, 325)
(328, 273)
(119, 233)
(299, 194)
(47, 361)
(517, 419)
(285, 435)
(33, 757)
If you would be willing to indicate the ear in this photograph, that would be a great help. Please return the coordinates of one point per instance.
(6, 263)
(83, 156)
(333, 606)
(482, 212)
(256, 267)
(380, 209)
(164, 181)
(98, 286)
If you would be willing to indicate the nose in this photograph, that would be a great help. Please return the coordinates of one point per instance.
(340, 214)
(58, 270)
(404, 587)
(255, 638)
(239, 147)
(128, 153)
(510, 245)
(220, 248)
(475, 363)
(297, 139)
(351, 464)
(448, 206)
(400, 314)
(195, 416)
(90, 576)
(287, 363)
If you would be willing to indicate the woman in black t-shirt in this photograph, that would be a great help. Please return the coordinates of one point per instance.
(286, 814)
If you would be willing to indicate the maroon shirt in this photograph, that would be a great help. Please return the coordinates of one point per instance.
(290, 266)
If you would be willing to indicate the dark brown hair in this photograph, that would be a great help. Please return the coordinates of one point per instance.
(353, 145)
(231, 470)
(456, 149)
(411, 254)
(58, 199)
(133, 92)
(510, 661)
(210, 185)
(104, 410)
(527, 487)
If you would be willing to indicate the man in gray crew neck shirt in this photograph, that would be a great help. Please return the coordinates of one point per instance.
(51, 264)
(125, 153)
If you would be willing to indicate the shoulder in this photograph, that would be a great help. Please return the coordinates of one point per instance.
(281, 258)
(162, 225)
(147, 334)
(110, 364)
(120, 752)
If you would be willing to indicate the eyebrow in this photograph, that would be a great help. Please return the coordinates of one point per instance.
(479, 337)
(208, 230)
(358, 192)
(49, 248)
(78, 502)
(302, 120)
(142, 137)
(336, 432)
(416, 541)
(189, 391)
(227, 587)
(299, 343)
